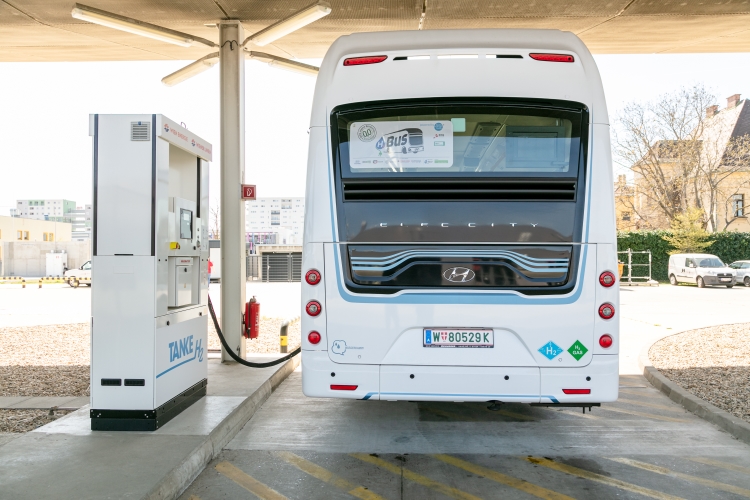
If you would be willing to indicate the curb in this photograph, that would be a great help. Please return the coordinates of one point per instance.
(705, 410)
(178, 479)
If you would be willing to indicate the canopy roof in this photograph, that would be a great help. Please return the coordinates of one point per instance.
(43, 30)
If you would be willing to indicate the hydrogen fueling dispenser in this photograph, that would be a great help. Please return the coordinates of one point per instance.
(149, 293)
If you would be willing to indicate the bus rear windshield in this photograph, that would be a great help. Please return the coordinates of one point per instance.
(458, 139)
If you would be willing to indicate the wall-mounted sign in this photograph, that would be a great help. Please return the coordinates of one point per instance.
(248, 192)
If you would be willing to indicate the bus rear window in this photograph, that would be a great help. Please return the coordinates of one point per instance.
(458, 140)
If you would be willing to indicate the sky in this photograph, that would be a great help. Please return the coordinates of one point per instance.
(44, 110)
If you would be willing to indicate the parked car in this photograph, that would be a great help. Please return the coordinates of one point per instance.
(700, 268)
(742, 268)
(80, 276)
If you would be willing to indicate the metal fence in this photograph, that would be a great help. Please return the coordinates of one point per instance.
(637, 268)
(252, 265)
(281, 267)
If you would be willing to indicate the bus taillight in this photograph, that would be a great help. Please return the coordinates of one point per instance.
(335, 387)
(553, 57)
(605, 341)
(313, 308)
(607, 279)
(357, 61)
(577, 391)
(314, 337)
(606, 311)
(312, 277)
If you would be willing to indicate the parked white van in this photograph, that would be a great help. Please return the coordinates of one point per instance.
(700, 268)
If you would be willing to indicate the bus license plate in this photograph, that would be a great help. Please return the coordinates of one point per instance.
(458, 337)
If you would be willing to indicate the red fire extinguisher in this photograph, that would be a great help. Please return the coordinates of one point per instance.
(252, 319)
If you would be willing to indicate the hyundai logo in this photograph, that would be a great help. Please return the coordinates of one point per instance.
(459, 275)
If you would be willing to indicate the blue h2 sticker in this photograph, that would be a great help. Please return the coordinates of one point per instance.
(428, 336)
(550, 350)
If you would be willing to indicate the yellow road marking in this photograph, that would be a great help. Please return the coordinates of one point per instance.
(686, 477)
(417, 478)
(723, 465)
(327, 476)
(592, 476)
(457, 416)
(248, 482)
(498, 477)
(642, 414)
(651, 405)
(644, 393)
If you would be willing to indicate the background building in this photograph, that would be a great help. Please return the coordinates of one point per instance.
(282, 217)
(60, 210)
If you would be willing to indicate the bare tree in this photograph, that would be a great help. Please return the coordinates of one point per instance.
(214, 222)
(660, 143)
(684, 157)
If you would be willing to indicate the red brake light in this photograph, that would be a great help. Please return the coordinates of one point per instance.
(607, 279)
(605, 341)
(314, 337)
(356, 61)
(553, 57)
(312, 277)
(577, 391)
(344, 387)
(606, 311)
(313, 308)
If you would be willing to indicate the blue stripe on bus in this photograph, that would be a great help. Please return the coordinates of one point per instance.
(371, 394)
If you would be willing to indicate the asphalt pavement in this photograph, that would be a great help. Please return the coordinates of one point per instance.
(642, 446)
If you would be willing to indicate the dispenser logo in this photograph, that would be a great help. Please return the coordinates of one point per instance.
(166, 127)
(184, 351)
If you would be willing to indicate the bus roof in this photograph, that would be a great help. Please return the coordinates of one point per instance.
(458, 77)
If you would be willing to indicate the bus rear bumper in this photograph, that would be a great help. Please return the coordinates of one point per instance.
(323, 378)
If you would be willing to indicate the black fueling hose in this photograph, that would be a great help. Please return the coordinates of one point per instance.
(239, 359)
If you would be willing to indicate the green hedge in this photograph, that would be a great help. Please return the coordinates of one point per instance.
(728, 246)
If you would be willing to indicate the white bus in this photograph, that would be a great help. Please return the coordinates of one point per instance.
(483, 267)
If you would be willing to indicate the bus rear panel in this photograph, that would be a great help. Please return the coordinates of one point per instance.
(460, 213)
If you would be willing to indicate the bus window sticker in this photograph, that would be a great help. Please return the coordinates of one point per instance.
(412, 144)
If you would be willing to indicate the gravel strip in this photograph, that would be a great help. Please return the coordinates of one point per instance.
(26, 420)
(712, 363)
(268, 339)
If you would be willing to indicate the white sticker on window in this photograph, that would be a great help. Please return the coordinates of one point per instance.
(407, 144)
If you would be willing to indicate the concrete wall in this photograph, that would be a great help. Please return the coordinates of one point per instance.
(9, 227)
(29, 259)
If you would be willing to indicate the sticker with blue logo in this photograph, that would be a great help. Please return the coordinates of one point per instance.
(438, 126)
(428, 336)
(550, 350)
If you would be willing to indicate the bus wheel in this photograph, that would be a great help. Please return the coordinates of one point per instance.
(672, 280)
(700, 282)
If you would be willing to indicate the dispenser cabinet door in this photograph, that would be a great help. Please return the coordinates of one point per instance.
(183, 285)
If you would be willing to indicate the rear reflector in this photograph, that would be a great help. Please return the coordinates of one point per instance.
(344, 387)
(577, 391)
(357, 61)
(553, 57)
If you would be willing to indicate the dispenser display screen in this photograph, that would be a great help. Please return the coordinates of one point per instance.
(186, 224)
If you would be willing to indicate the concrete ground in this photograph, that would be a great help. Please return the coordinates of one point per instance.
(61, 304)
(642, 446)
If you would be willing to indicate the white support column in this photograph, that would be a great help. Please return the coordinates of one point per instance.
(232, 97)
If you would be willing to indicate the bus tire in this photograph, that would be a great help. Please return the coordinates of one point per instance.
(700, 282)
(672, 279)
